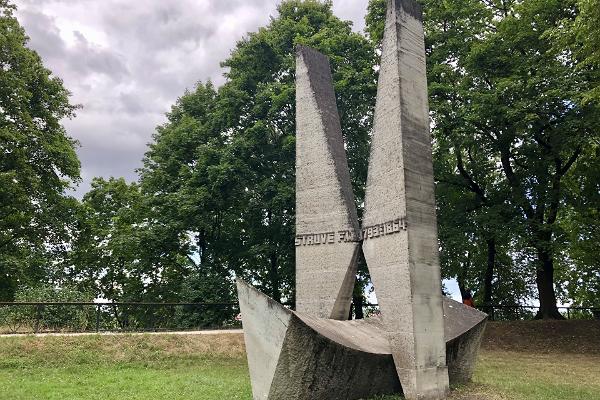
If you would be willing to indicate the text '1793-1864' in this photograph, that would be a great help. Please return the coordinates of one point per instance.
(388, 228)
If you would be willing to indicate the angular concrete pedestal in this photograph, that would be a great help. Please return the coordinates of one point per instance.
(294, 356)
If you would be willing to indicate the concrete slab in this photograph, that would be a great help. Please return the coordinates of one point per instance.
(327, 229)
(403, 263)
(324, 359)
(265, 324)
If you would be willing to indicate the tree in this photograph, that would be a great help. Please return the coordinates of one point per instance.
(580, 36)
(105, 257)
(37, 162)
(118, 252)
(220, 172)
(510, 122)
(527, 108)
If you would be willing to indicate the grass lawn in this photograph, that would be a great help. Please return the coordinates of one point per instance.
(523, 376)
(213, 367)
(123, 367)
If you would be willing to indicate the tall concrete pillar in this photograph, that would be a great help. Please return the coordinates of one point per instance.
(327, 230)
(399, 227)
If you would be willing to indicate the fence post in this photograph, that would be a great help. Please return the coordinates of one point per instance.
(568, 312)
(38, 316)
(98, 318)
(152, 312)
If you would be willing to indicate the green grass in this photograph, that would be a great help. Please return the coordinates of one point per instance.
(213, 367)
(211, 380)
(122, 367)
(525, 376)
(541, 376)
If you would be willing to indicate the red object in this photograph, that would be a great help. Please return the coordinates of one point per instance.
(469, 302)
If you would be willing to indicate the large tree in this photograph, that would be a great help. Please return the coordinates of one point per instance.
(221, 170)
(511, 117)
(528, 111)
(105, 256)
(37, 162)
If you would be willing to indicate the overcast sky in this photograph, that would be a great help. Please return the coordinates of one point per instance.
(126, 62)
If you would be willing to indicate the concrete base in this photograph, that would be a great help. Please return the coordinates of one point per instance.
(294, 356)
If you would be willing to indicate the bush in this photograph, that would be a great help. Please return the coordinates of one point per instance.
(47, 317)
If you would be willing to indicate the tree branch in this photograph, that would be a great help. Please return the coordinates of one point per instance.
(514, 183)
(192, 260)
(556, 184)
(571, 161)
(475, 188)
(555, 194)
(542, 142)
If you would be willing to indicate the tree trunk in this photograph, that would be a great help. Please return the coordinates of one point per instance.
(357, 302)
(274, 277)
(545, 285)
(201, 246)
(489, 274)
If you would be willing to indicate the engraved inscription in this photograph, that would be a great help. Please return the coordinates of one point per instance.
(387, 228)
(367, 233)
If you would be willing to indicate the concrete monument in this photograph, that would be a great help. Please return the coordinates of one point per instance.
(327, 240)
(422, 341)
(403, 263)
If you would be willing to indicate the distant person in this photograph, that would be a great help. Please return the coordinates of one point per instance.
(468, 299)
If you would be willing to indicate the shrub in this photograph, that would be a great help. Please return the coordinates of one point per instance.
(44, 317)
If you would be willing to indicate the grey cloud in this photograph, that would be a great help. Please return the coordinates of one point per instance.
(80, 59)
(94, 59)
(42, 31)
(223, 7)
(127, 62)
(165, 25)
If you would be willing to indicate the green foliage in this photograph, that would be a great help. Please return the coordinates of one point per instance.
(119, 251)
(512, 124)
(47, 317)
(37, 162)
(525, 106)
(579, 38)
(105, 253)
(580, 232)
(220, 174)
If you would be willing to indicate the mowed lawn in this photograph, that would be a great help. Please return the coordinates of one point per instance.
(213, 367)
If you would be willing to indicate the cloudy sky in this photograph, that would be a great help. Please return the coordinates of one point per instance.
(126, 62)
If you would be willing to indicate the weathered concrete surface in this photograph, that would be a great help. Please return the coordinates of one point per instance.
(266, 323)
(404, 264)
(324, 359)
(310, 365)
(463, 331)
(327, 241)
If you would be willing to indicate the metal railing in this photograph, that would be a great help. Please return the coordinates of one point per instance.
(498, 312)
(52, 317)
